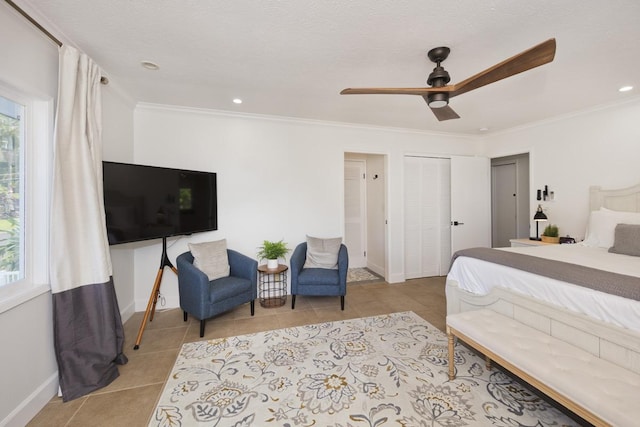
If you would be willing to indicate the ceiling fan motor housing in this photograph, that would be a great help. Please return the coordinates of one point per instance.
(439, 77)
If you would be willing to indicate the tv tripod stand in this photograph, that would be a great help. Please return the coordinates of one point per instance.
(155, 293)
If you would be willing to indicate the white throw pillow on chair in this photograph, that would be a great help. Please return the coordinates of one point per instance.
(322, 253)
(211, 258)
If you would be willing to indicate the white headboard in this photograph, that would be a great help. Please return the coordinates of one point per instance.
(624, 199)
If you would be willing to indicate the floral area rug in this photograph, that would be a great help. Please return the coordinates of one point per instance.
(362, 275)
(385, 370)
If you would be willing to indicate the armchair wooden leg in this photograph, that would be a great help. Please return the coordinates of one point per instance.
(201, 328)
(293, 302)
(253, 306)
(342, 302)
(184, 315)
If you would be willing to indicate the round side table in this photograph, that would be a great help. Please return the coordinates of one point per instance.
(272, 285)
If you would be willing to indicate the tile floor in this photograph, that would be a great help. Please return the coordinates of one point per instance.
(131, 398)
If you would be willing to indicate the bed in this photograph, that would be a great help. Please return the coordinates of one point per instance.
(602, 323)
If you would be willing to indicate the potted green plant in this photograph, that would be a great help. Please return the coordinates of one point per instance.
(550, 234)
(272, 252)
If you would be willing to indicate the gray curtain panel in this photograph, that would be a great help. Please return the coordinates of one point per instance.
(88, 338)
(88, 332)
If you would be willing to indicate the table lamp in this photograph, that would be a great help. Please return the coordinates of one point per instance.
(539, 216)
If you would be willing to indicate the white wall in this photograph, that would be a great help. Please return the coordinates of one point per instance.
(277, 178)
(569, 154)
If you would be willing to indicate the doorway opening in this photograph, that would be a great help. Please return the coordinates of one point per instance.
(365, 211)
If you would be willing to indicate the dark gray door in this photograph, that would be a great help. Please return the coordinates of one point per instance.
(504, 204)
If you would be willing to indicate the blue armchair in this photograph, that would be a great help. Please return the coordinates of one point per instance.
(318, 281)
(204, 299)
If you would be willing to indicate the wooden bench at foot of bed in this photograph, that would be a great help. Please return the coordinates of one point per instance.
(598, 391)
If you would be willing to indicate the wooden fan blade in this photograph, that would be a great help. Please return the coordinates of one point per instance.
(531, 58)
(445, 113)
(394, 91)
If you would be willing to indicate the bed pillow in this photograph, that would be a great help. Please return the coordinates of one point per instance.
(211, 258)
(631, 216)
(602, 225)
(627, 240)
(599, 230)
(322, 253)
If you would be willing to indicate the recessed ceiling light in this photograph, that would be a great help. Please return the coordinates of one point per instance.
(237, 101)
(483, 129)
(625, 88)
(150, 65)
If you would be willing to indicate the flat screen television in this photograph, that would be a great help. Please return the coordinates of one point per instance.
(149, 202)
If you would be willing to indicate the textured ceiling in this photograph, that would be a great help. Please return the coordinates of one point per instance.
(292, 57)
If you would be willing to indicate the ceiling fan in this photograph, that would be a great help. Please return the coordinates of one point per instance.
(438, 93)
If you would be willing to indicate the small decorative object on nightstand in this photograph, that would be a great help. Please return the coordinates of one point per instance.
(550, 234)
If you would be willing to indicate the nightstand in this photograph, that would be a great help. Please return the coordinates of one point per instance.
(515, 243)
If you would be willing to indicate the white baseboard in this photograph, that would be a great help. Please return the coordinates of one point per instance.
(33, 404)
(396, 278)
(378, 269)
(169, 302)
(127, 312)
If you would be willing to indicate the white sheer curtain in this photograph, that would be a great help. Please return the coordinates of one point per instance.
(88, 333)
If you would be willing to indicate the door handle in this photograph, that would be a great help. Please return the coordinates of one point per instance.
(457, 223)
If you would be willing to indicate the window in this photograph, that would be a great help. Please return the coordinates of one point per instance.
(26, 152)
(11, 191)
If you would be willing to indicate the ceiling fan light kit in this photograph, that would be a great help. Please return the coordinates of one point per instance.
(438, 100)
(439, 92)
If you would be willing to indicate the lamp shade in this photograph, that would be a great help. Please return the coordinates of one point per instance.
(539, 216)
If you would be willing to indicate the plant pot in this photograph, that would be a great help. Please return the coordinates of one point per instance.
(272, 264)
(548, 239)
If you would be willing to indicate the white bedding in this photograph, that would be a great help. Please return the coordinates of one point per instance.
(479, 277)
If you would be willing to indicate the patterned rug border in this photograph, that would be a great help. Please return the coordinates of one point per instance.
(348, 373)
(363, 275)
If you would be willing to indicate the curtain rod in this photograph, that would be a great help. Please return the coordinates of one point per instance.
(28, 17)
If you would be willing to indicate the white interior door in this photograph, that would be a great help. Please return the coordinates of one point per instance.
(470, 202)
(427, 239)
(412, 218)
(355, 213)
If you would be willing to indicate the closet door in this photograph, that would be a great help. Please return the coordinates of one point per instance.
(427, 214)
(412, 218)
